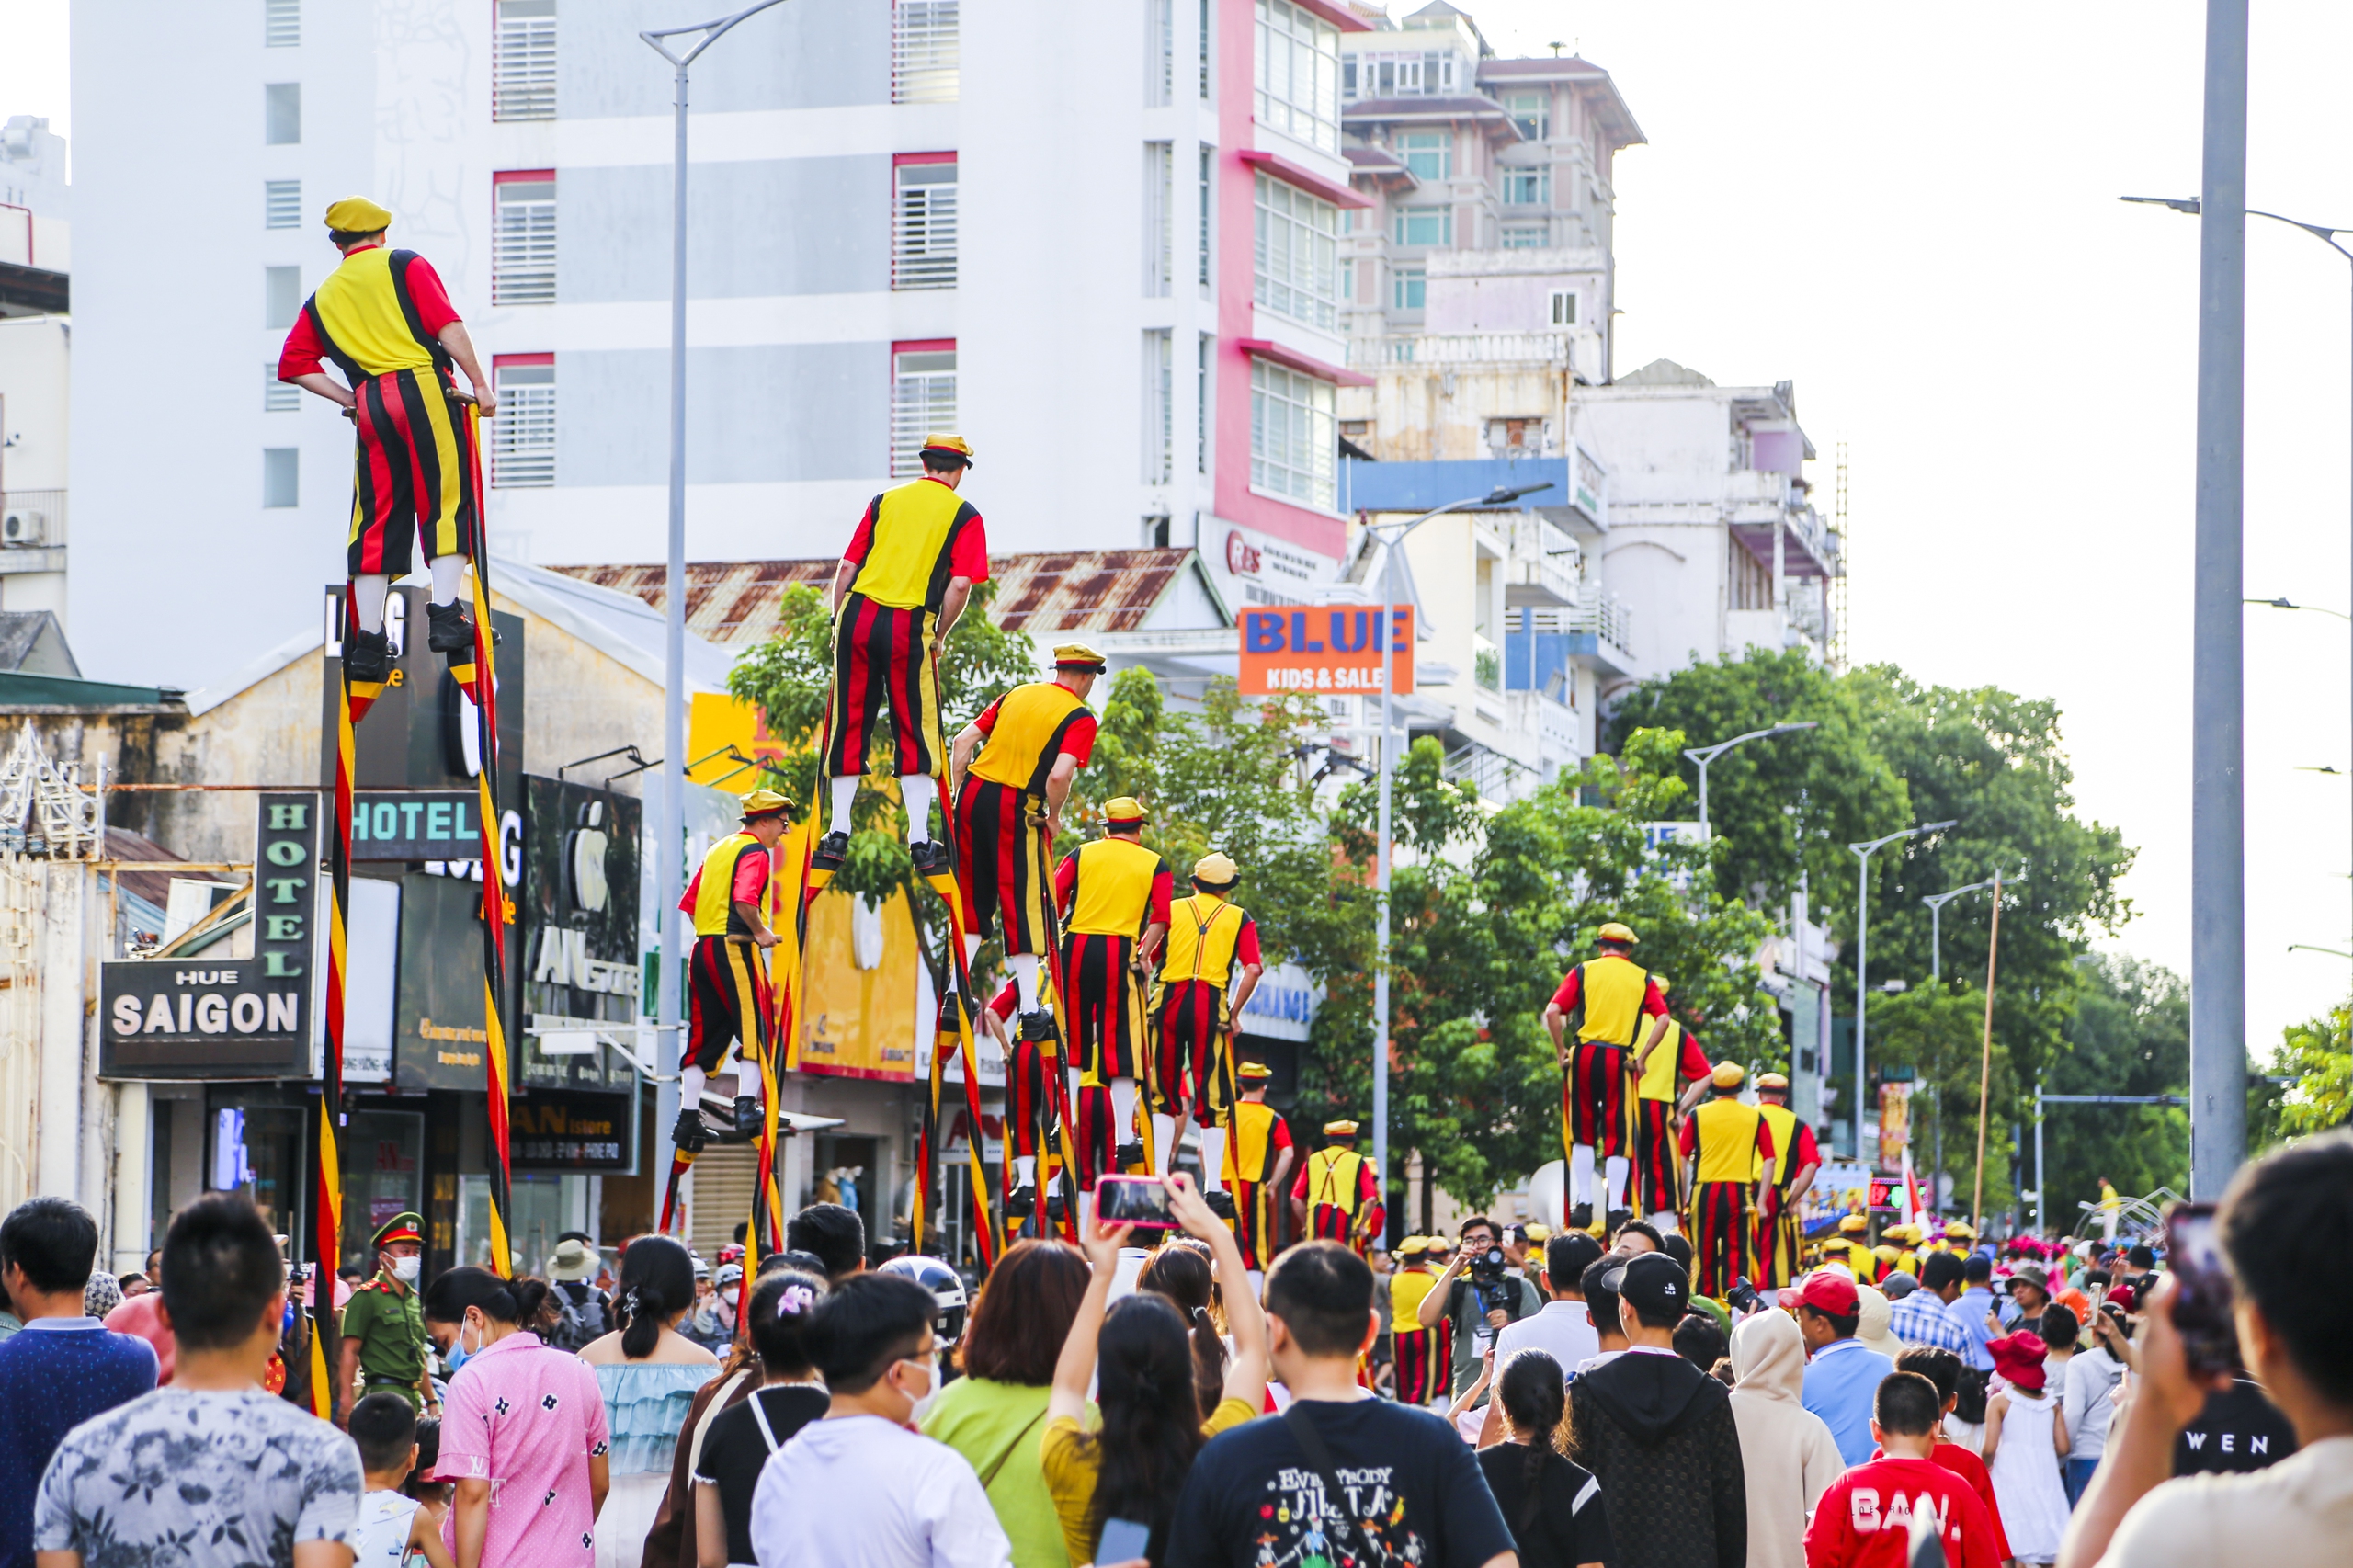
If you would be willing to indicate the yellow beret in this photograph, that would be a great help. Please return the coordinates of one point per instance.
(1728, 1075)
(765, 802)
(1341, 1129)
(1217, 869)
(357, 215)
(1254, 1072)
(1538, 1233)
(1126, 808)
(1662, 981)
(1413, 1246)
(940, 442)
(1614, 932)
(1854, 1224)
(1771, 1081)
(1077, 656)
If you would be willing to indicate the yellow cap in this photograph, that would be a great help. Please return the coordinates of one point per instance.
(1903, 1233)
(1615, 932)
(1217, 869)
(1413, 1245)
(357, 215)
(1728, 1075)
(940, 442)
(765, 802)
(1254, 1072)
(1771, 1081)
(1077, 656)
(1956, 1230)
(1854, 1224)
(1125, 809)
(1341, 1129)
(1662, 981)
(1538, 1233)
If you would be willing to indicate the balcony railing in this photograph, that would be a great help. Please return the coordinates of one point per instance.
(32, 519)
(1460, 348)
(1604, 615)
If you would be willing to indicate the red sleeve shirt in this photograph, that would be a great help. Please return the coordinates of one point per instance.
(1571, 987)
(1065, 880)
(305, 352)
(1278, 1136)
(1810, 1153)
(862, 540)
(751, 879)
(1078, 740)
(1864, 1519)
(1687, 1137)
(1694, 1065)
(1163, 890)
(1245, 946)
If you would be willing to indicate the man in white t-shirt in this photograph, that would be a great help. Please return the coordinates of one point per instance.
(858, 1489)
(2286, 1233)
(1561, 1329)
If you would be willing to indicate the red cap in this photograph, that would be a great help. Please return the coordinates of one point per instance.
(1825, 1291)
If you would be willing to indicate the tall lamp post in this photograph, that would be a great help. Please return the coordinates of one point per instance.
(670, 831)
(1863, 853)
(1935, 902)
(1706, 754)
(1393, 537)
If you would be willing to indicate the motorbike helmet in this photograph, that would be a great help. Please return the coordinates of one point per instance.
(946, 1287)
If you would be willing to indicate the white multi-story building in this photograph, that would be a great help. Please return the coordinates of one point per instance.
(1102, 241)
(35, 257)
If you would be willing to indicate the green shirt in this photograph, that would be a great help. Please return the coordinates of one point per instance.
(388, 1324)
(999, 1427)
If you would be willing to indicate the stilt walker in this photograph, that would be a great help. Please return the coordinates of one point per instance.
(1729, 1149)
(1200, 994)
(1114, 895)
(1424, 1357)
(1258, 1164)
(1337, 1197)
(1612, 994)
(1795, 1159)
(1671, 1056)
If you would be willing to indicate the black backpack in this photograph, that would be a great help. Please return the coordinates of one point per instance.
(586, 1315)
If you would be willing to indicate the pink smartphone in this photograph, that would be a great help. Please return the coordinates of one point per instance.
(1141, 1202)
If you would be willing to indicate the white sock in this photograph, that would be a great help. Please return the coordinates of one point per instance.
(1665, 1220)
(1615, 1172)
(1581, 1173)
(1163, 1142)
(449, 576)
(1123, 1110)
(691, 1082)
(917, 790)
(1213, 1159)
(370, 593)
(1025, 1171)
(844, 792)
(1025, 976)
(972, 940)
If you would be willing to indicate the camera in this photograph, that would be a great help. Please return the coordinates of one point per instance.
(1741, 1297)
(1487, 1268)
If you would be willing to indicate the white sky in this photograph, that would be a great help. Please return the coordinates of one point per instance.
(1912, 215)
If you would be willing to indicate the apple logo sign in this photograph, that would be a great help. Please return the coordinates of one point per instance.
(584, 860)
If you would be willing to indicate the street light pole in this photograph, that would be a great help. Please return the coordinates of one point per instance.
(1863, 853)
(670, 831)
(1706, 754)
(1503, 495)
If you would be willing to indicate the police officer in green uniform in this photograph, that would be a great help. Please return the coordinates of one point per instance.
(383, 1323)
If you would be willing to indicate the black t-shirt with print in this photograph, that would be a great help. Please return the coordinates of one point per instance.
(734, 1448)
(2239, 1430)
(1415, 1494)
(1570, 1523)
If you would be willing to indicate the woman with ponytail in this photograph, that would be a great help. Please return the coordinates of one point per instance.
(1554, 1507)
(741, 1437)
(648, 1373)
(523, 1420)
(1183, 1272)
(1141, 1355)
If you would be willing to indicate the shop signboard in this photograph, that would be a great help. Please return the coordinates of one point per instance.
(558, 1130)
(578, 922)
(1324, 650)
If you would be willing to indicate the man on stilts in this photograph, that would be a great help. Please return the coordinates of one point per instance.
(1729, 1149)
(1011, 770)
(1795, 1159)
(733, 902)
(1615, 996)
(901, 585)
(385, 321)
(1258, 1159)
(1672, 1056)
(1209, 938)
(1338, 1195)
(1114, 895)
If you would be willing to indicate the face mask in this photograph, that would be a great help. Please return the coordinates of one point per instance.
(404, 1269)
(931, 1391)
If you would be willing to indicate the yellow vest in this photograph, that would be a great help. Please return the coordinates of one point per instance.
(1032, 719)
(907, 553)
(1658, 1078)
(1332, 1180)
(1727, 1141)
(363, 313)
(1611, 996)
(1249, 1153)
(1201, 940)
(1111, 893)
(1407, 1288)
(715, 898)
(1783, 1124)
(1860, 1259)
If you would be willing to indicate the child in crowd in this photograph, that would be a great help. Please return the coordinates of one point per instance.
(1870, 1516)
(394, 1526)
(432, 1496)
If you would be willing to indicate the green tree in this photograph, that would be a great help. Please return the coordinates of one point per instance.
(2319, 1054)
(2129, 1034)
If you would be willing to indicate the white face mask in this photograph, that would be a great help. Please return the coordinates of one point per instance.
(404, 1269)
(464, 1349)
(931, 1391)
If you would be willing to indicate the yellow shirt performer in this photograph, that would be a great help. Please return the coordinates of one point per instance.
(1728, 1148)
(1424, 1357)
(385, 320)
(1796, 1158)
(1114, 895)
(1212, 965)
(1258, 1160)
(1338, 1197)
(1673, 1057)
(1612, 995)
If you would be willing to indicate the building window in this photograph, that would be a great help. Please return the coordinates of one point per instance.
(1348, 284)
(522, 453)
(1428, 155)
(1533, 112)
(1159, 198)
(1204, 38)
(923, 400)
(1159, 53)
(1159, 407)
(282, 204)
(1298, 69)
(924, 52)
(1208, 158)
(276, 396)
(1292, 438)
(281, 296)
(282, 23)
(1406, 288)
(522, 254)
(522, 72)
(1298, 274)
(1424, 225)
(923, 222)
(1203, 354)
(1524, 237)
(1527, 187)
(281, 476)
(1564, 307)
(281, 114)
(1431, 73)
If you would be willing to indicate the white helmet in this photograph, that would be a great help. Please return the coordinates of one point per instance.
(946, 1286)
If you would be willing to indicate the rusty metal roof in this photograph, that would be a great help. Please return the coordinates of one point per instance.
(735, 602)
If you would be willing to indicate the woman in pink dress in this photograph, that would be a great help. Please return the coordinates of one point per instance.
(523, 1432)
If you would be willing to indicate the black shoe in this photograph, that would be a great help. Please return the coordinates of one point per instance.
(1581, 1217)
(930, 857)
(1056, 1207)
(1220, 1204)
(691, 1135)
(367, 656)
(1127, 1156)
(1038, 1027)
(832, 850)
(950, 1019)
(450, 631)
(750, 1120)
(1022, 1204)
(1619, 1219)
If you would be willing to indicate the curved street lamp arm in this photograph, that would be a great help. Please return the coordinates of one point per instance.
(712, 32)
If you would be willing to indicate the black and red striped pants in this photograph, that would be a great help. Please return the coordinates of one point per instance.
(1425, 1358)
(1593, 1096)
(414, 475)
(727, 1000)
(1724, 1236)
(1655, 1171)
(1030, 1097)
(1195, 1060)
(1105, 1004)
(1254, 1223)
(883, 657)
(1001, 863)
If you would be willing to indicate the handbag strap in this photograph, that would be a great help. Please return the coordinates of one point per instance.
(1319, 1460)
(988, 1476)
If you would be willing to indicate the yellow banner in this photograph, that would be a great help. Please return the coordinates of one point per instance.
(858, 1015)
(1895, 1124)
(716, 722)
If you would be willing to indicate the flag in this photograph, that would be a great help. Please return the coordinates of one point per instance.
(1913, 1207)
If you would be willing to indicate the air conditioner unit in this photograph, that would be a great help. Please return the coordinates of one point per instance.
(22, 529)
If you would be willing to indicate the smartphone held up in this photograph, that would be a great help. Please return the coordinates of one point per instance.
(2201, 1291)
(1141, 1202)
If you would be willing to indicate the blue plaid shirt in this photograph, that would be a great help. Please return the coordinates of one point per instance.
(1921, 1319)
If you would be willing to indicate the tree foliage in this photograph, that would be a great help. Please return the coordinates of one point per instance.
(2319, 1052)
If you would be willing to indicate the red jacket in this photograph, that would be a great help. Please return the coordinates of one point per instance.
(1864, 1520)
